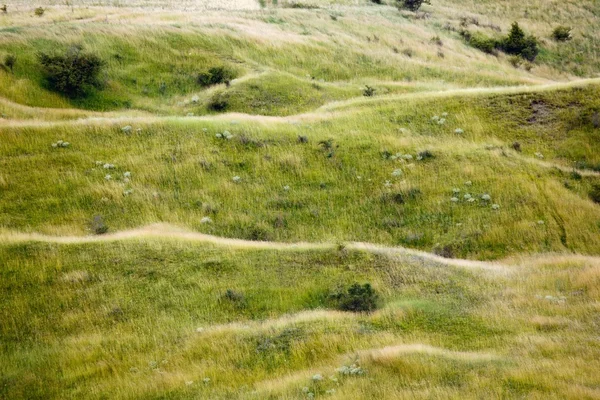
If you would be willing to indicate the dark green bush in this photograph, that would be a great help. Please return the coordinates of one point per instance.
(561, 33)
(215, 76)
(412, 5)
(369, 91)
(39, 11)
(518, 43)
(9, 62)
(358, 298)
(72, 74)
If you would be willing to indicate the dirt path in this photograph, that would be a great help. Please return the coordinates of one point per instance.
(165, 231)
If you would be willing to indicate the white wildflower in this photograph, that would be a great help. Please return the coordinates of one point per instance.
(471, 200)
(108, 166)
(419, 158)
(317, 377)
(486, 197)
(442, 121)
(459, 131)
(539, 155)
(237, 179)
(98, 163)
(189, 383)
(195, 99)
(286, 188)
(540, 222)
(127, 174)
(387, 184)
(444, 114)
(219, 136)
(468, 183)
(454, 199)
(54, 145)
(206, 380)
(397, 172)
(126, 129)
(407, 157)
(206, 220)
(435, 118)
(227, 135)
(108, 177)
(330, 391)
(127, 192)
(456, 190)
(467, 196)
(495, 207)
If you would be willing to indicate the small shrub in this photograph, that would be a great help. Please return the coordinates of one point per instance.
(369, 91)
(4, 9)
(236, 298)
(595, 193)
(446, 251)
(71, 74)
(218, 104)
(98, 225)
(9, 62)
(480, 42)
(39, 11)
(358, 298)
(425, 154)
(516, 146)
(562, 34)
(412, 5)
(215, 76)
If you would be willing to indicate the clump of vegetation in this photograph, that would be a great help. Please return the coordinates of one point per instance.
(358, 298)
(562, 34)
(481, 42)
(377, 1)
(518, 43)
(595, 193)
(515, 43)
(412, 5)
(369, 91)
(98, 225)
(73, 73)
(10, 61)
(215, 76)
(39, 11)
(4, 9)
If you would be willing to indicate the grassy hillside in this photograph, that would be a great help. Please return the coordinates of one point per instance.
(194, 225)
(355, 176)
(178, 320)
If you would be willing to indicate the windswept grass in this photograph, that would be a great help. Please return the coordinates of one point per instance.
(151, 320)
(354, 177)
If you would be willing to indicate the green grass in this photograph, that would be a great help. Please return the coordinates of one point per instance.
(181, 172)
(120, 320)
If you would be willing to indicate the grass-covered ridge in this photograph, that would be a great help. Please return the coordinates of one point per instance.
(150, 319)
(354, 176)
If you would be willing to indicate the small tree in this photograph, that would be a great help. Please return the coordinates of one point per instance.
(518, 43)
(10, 61)
(39, 11)
(72, 74)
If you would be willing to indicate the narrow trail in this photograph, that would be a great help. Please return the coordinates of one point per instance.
(166, 231)
(326, 111)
